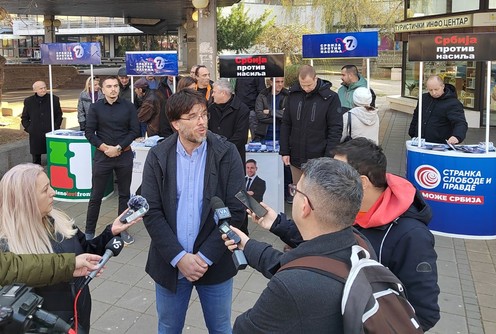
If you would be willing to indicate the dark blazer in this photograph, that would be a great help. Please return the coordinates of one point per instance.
(223, 178)
(258, 187)
(37, 120)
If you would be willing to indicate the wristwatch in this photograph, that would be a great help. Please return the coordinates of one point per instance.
(119, 148)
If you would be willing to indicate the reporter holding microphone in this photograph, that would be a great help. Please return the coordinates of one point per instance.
(30, 225)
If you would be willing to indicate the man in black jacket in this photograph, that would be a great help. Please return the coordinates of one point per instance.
(229, 116)
(36, 119)
(443, 117)
(312, 123)
(394, 218)
(247, 90)
(327, 199)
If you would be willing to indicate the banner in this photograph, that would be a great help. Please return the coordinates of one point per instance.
(458, 188)
(453, 47)
(242, 66)
(71, 53)
(158, 63)
(343, 45)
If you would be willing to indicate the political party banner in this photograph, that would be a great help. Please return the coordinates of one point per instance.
(256, 65)
(71, 53)
(158, 63)
(342, 45)
(459, 188)
(452, 47)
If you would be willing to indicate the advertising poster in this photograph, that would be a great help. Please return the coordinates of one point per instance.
(242, 66)
(343, 45)
(71, 54)
(157, 63)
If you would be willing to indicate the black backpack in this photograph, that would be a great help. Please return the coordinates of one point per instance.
(374, 299)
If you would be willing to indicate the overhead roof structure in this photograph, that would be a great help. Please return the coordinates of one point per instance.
(150, 16)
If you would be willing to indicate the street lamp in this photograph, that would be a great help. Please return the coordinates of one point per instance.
(53, 24)
(201, 7)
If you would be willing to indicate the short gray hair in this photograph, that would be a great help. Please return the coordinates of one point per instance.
(334, 189)
(224, 85)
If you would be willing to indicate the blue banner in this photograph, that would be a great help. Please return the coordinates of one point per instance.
(459, 189)
(345, 45)
(71, 53)
(159, 63)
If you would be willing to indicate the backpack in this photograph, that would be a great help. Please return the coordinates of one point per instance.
(374, 299)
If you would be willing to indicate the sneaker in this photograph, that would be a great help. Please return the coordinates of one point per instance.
(89, 236)
(289, 200)
(127, 238)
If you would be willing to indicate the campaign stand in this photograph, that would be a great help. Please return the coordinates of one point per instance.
(342, 45)
(69, 154)
(269, 163)
(457, 184)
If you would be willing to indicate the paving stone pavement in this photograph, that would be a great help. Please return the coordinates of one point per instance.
(124, 297)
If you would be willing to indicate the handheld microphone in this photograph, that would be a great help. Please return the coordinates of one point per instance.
(138, 206)
(222, 216)
(113, 248)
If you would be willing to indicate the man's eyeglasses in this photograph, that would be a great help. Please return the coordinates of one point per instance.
(191, 117)
(293, 190)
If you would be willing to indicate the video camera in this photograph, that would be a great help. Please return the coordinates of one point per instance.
(20, 312)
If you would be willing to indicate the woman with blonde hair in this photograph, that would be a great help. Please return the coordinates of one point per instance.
(88, 96)
(30, 225)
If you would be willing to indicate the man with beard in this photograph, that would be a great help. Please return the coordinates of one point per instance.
(180, 177)
(37, 119)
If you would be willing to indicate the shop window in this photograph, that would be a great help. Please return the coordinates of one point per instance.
(419, 8)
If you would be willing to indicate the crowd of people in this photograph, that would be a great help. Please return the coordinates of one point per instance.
(335, 178)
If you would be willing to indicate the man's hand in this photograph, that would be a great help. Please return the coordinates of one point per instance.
(453, 140)
(192, 267)
(286, 160)
(230, 243)
(86, 263)
(266, 111)
(265, 221)
(250, 192)
(112, 151)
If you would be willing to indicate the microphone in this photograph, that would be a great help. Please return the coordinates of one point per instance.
(138, 206)
(113, 248)
(222, 216)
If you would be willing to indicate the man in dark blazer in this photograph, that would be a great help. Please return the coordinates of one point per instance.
(37, 119)
(180, 177)
(255, 187)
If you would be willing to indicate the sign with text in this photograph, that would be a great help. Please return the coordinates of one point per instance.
(451, 22)
(459, 47)
(159, 63)
(458, 189)
(242, 66)
(343, 45)
(71, 53)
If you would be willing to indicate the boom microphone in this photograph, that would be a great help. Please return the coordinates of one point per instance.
(113, 248)
(222, 216)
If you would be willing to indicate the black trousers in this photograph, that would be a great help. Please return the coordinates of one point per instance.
(103, 167)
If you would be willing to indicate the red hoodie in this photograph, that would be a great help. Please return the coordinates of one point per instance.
(393, 202)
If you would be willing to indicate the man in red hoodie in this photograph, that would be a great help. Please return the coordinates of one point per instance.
(394, 217)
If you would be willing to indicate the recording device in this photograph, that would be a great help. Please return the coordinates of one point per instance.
(250, 203)
(138, 206)
(113, 248)
(222, 216)
(20, 312)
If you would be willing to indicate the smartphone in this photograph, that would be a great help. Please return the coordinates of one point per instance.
(225, 229)
(251, 203)
(131, 215)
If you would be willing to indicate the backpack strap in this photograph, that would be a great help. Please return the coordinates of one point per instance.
(349, 124)
(336, 267)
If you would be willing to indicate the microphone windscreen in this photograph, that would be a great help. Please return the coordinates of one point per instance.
(137, 202)
(216, 203)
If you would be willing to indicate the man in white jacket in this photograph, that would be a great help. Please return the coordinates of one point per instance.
(363, 117)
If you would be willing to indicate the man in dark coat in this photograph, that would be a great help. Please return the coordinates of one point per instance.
(247, 90)
(151, 108)
(37, 119)
(312, 123)
(180, 177)
(443, 117)
(327, 198)
(229, 116)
